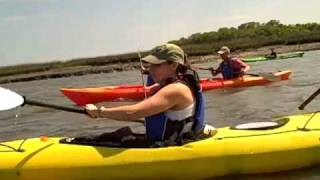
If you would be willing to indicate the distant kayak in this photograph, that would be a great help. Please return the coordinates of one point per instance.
(288, 143)
(82, 96)
(279, 56)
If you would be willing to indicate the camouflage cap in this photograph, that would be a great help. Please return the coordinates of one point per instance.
(163, 53)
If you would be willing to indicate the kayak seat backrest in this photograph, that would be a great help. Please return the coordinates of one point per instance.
(261, 125)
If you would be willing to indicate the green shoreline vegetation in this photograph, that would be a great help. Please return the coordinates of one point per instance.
(251, 35)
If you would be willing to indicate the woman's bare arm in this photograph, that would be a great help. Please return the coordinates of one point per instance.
(164, 99)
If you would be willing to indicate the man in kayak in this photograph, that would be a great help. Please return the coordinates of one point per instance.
(176, 109)
(272, 55)
(230, 67)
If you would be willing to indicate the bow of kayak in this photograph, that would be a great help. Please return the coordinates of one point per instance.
(295, 144)
(84, 96)
(245, 81)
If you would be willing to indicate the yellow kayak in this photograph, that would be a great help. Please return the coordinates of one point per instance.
(293, 143)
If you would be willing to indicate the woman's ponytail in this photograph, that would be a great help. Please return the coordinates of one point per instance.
(187, 74)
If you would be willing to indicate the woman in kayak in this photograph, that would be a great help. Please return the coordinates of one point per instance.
(175, 111)
(230, 67)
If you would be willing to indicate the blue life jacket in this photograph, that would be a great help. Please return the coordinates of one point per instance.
(156, 125)
(152, 123)
(228, 71)
(150, 80)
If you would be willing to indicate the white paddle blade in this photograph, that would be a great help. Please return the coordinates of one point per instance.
(9, 99)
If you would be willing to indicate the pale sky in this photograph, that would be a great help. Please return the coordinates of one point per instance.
(47, 30)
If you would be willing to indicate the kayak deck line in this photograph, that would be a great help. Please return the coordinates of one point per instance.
(255, 135)
(266, 134)
(9, 147)
(19, 149)
(31, 155)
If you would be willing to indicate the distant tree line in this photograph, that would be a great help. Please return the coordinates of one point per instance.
(92, 61)
(247, 35)
(250, 35)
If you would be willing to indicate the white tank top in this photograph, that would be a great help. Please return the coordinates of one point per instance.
(182, 114)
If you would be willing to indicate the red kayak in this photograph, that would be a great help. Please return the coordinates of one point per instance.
(84, 96)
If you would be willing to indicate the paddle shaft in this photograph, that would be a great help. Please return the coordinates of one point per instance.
(209, 69)
(63, 108)
(201, 68)
(52, 106)
(307, 101)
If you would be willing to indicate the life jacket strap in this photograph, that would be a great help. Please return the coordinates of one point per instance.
(175, 130)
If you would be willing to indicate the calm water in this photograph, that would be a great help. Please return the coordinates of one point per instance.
(223, 107)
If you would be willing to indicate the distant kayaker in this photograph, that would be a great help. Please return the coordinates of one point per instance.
(175, 111)
(272, 55)
(230, 67)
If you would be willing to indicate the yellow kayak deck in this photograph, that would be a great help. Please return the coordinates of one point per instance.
(291, 146)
